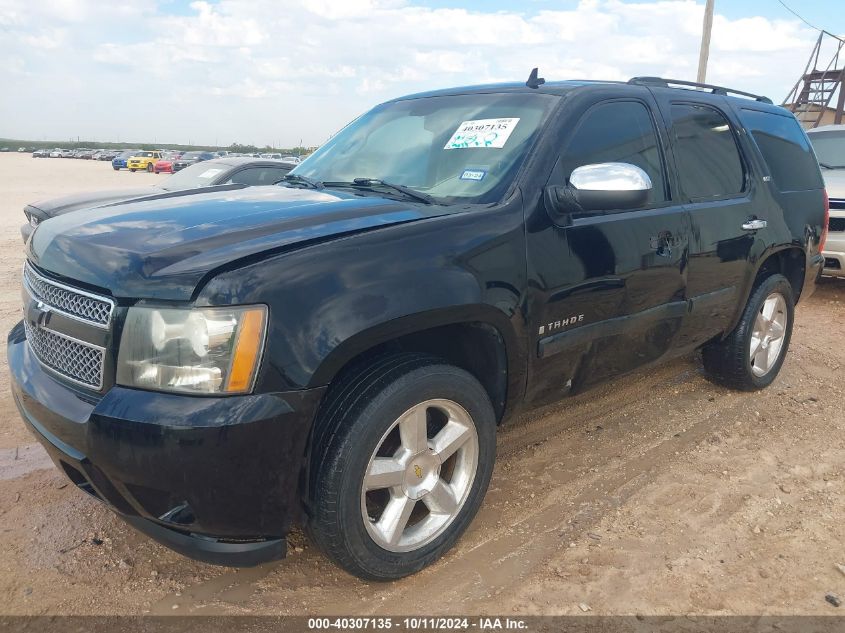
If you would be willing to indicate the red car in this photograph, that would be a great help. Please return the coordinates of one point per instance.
(165, 163)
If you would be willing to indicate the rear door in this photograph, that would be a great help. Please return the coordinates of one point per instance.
(715, 175)
(610, 286)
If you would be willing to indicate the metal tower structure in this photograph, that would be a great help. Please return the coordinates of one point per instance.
(814, 92)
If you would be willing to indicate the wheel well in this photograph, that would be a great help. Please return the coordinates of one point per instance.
(475, 347)
(791, 263)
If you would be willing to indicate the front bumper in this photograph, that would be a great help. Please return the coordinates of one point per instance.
(834, 254)
(214, 478)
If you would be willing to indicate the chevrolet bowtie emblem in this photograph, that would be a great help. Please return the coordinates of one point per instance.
(43, 313)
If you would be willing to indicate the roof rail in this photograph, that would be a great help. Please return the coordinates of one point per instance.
(716, 90)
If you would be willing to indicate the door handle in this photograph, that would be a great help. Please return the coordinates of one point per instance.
(754, 225)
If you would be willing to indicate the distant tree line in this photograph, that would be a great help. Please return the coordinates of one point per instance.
(14, 144)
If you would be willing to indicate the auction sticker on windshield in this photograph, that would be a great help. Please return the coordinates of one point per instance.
(482, 133)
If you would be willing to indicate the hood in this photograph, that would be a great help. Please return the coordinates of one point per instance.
(163, 248)
(834, 182)
(57, 206)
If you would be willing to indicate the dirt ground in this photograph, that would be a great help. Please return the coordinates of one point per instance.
(658, 494)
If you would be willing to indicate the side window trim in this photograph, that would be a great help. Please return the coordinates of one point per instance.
(743, 158)
(661, 149)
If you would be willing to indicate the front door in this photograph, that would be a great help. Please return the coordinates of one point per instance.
(609, 287)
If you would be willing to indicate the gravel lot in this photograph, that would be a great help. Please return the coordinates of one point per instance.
(658, 494)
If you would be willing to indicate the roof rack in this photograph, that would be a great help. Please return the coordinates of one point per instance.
(716, 90)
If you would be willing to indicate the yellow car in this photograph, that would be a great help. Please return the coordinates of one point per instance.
(143, 160)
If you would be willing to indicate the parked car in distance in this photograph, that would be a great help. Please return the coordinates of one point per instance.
(164, 165)
(339, 351)
(41, 153)
(144, 160)
(294, 160)
(829, 144)
(271, 155)
(189, 158)
(119, 161)
(229, 173)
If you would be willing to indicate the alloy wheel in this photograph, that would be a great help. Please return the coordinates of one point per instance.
(768, 334)
(420, 475)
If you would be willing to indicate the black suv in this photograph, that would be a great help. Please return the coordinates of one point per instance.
(337, 351)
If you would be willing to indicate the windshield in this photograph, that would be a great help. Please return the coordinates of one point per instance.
(202, 174)
(829, 148)
(462, 148)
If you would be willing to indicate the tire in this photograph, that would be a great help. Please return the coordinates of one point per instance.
(149, 167)
(132, 170)
(115, 168)
(362, 418)
(729, 362)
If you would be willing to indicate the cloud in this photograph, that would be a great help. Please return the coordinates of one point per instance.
(264, 71)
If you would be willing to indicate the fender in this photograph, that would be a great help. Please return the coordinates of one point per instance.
(330, 302)
(759, 261)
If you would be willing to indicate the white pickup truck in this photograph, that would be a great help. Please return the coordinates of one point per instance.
(829, 144)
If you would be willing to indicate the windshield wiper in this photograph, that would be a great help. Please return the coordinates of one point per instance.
(375, 182)
(305, 180)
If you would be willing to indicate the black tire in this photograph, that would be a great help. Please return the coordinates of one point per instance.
(352, 423)
(149, 167)
(115, 168)
(132, 170)
(728, 363)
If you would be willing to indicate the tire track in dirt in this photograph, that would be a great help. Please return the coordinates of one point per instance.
(503, 561)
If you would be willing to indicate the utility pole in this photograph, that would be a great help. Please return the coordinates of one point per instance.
(705, 41)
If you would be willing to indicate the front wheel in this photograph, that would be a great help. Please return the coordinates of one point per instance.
(132, 170)
(115, 168)
(406, 457)
(752, 355)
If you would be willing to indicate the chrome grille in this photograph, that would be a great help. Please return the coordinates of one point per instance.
(75, 360)
(75, 303)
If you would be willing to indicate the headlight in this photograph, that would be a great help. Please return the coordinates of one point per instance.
(200, 350)
(34, 221)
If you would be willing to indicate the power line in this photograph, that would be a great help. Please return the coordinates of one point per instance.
(812, 26)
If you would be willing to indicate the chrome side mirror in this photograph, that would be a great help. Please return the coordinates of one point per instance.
(610, 186)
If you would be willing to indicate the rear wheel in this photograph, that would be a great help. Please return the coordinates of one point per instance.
(149, 167)
(404, 457)
(752, 355)
(132, 170)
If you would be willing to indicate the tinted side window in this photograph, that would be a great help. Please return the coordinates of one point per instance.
(617, 132)
(708, 158)
(785, 149)
(259, 176)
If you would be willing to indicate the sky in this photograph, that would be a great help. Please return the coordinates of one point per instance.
(281, 72)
